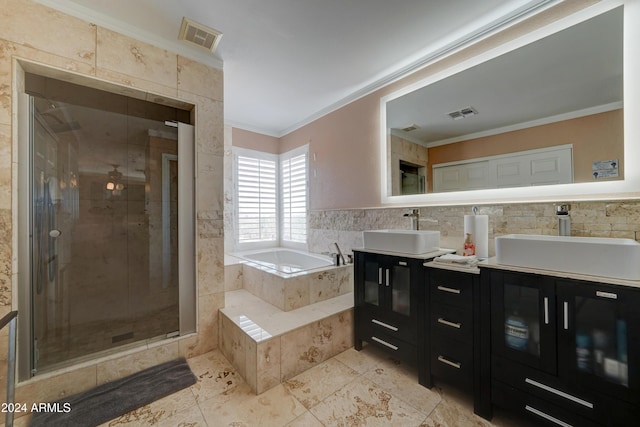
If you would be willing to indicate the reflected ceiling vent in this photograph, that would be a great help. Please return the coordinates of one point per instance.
(410, 128)
(461, 114)
(199, 35)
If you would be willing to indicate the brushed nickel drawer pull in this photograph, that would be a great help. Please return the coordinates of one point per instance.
(604, 294)
(402, 263)
(387, 276)
(385, 325)
(448, 323)
(386, 344)
(565, 310)
(558, 393)
(456, 365)
(546, 416)
(450, 290)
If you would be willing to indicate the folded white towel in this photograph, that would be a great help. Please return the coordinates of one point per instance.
(466, 261)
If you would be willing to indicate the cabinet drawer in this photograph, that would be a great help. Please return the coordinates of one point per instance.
(587, 404)
(451, 287)
(538, 409)
(452, 322)
(452, 362)
(391, 344)
(399, 328)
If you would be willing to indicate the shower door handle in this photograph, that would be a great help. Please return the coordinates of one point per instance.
(55, 233)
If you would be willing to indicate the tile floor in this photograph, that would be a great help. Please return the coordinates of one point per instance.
(353, 388)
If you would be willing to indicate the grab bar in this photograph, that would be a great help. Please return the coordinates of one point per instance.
(10, 319)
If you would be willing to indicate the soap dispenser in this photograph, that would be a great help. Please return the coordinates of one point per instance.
(469, 247)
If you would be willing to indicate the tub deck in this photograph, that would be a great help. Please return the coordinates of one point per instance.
(268, 345)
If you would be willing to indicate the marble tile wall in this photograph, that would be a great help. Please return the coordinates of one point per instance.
(61, 44)
(591, 218)
(289, 293)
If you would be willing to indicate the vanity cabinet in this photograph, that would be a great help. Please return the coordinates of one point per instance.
(565, 350)
(389, 292)
(453, 331)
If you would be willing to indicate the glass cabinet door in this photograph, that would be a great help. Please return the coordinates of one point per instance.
(372, 281)
(522, 325)
(598, 337)
(401, 289)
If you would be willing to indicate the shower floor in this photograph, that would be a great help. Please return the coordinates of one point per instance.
(65, 346)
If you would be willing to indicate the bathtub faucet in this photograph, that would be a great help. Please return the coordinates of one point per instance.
(415, 219)
(344, 262)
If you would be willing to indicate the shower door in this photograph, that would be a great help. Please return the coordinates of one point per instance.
(104, 226)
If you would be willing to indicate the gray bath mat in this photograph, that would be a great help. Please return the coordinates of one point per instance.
(110, 400)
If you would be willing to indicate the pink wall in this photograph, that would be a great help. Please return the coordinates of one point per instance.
(346, 170)
(255, 141)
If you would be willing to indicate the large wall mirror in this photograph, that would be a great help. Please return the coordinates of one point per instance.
(545, 112)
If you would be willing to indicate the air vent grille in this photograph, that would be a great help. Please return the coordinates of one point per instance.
(199, 35)
(462, 113)
(410, 128)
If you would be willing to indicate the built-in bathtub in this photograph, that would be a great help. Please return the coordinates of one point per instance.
(286, 312)
(287, 261)
(291, 279)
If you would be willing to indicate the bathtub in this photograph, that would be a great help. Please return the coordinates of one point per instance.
(286, 260)
(289, 279)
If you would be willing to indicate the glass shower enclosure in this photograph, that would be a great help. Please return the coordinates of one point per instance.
(104, 222)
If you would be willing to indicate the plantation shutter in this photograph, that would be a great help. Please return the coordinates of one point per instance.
(293, 179)
(257, 200)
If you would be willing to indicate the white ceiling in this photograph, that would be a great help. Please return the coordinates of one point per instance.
(288, 62)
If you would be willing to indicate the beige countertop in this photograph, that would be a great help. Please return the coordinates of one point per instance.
(491, 263)
(426, 255)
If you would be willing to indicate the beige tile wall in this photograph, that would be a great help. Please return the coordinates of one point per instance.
(595, 219)
(33, 33)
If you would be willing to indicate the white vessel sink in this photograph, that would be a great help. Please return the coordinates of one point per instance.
(402, 241)
(596, 256)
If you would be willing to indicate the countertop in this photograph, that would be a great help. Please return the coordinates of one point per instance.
(452, 267)
(491, 263)
(427, 255)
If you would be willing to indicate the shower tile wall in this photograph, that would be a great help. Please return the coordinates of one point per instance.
(35, 33)
(595, 219)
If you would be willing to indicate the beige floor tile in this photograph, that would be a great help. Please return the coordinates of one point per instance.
(364, 403)
(360, 361)
(314, 385)
(215, 376)
(305, 420)
(241, 407)
(403, 384)
(191, 417)
(157, 411)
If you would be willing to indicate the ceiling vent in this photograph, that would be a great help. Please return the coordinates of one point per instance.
(199, 35)
(410, 128)
(461, 114)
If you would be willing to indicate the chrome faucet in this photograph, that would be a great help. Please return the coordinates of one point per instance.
(415, 219)
(564, 220)
(344, 261)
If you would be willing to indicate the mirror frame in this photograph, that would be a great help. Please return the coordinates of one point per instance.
(629, 188)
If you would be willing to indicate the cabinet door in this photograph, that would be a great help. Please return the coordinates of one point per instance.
(599, 338)
(400, 287)
(372, 293)
(523, 319)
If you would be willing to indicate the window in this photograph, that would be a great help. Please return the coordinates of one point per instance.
(293, 196)
(256, 206)
(271, 198)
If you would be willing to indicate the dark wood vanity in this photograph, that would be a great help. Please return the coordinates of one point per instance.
(563, 349)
